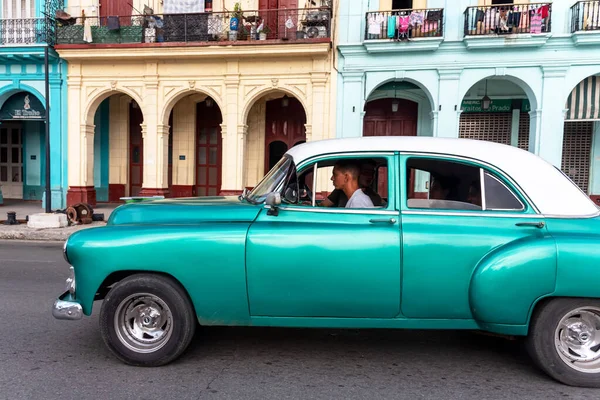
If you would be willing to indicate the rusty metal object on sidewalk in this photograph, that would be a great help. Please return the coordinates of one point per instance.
(80, 213)
(11, 218)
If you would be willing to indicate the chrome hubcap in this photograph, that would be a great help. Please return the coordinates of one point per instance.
(577, 339)
(143, 323)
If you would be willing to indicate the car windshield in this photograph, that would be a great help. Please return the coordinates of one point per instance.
(271, 181)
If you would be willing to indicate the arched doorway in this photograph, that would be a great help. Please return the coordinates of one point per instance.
(285, 122)
(22, 147)
(398, 109)
(118, 162)
(195, 147)
(496, 110)
(275, 123)
(581, 137)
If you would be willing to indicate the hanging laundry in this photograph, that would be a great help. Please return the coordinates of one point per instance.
(87, 31)
(536, 24)
(417, 18)
(391, 31)
(375, 22)
(112, 23)
(403, 24)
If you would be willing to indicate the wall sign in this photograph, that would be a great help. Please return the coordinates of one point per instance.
(497, 106)
(22, 106)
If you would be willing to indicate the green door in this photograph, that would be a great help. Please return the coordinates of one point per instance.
(448, 227)
(325, 262)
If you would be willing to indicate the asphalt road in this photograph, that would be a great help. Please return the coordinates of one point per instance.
(43, 358)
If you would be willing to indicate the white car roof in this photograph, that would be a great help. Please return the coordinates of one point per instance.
(551, 192)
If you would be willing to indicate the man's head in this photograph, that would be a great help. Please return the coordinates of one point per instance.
(345, 174)
(439, 189)
(474, 196)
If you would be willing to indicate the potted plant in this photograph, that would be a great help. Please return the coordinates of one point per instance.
(236, 21)
(264, 33)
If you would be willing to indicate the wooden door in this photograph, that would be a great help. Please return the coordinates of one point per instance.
(121, 8)
(209, 150)
(136, 151)
(381, 120)
(284, 128)
(279, 12)
(11, 160)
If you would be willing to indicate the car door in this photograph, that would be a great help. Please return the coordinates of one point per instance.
(447, 230)
(310, 261)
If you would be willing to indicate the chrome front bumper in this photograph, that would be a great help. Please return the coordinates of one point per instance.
(66, 308)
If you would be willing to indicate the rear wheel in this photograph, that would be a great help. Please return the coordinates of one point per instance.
(147, 320)
(564, 341)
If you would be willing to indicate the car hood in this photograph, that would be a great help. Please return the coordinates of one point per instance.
(184, 211)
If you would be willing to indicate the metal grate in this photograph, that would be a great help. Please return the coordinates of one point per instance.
(577, 147)
(523, 142)
(485, 126)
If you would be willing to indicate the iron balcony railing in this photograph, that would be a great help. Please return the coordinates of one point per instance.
(23, 31)
(506, 19)
(280, 24)
(585, 16)
(404, 24)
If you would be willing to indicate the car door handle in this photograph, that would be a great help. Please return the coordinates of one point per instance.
(383, 220)
(538, 225)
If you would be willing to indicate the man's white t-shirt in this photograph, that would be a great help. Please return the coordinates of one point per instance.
(359, 200)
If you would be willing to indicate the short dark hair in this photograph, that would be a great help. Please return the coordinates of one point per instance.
(348, 167)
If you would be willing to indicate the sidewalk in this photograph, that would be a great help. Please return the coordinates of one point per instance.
(22, 232)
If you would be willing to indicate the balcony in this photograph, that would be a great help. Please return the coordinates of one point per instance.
(517, 25)
(412, 29)
(208, 29)
(23, 31)
(585, 22)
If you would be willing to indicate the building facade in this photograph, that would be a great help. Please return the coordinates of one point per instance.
(178, 100)
(520, 73)
(24, 33)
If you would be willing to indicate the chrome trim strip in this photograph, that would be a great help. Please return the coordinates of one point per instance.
(314, 188)
(337, 210)
(472, 214)
(482, 183)
(481, 162)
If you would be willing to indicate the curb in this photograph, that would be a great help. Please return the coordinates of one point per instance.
(22, 232)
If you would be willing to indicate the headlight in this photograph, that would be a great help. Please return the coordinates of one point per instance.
(70, 282)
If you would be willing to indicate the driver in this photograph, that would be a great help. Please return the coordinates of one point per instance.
(345, 178)
(338, 198)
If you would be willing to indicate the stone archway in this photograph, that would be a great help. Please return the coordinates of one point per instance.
(276, 121)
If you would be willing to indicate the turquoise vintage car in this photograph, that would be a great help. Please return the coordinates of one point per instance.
(460, 235)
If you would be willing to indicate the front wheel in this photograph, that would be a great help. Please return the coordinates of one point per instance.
(564, 341)
(147, 320)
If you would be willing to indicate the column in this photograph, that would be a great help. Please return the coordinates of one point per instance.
(548, 139)
(81, 169)
(156, 159)
(351, 105)
(514, 128)
(232, 159)
(320, 105)
(58, 160)
(155, 137)
(118, 142)
(448, 103)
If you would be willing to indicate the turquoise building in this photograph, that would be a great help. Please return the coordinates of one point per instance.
(524, 73)
(24, 33)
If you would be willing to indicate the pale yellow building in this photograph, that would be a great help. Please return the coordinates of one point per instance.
(175, 105)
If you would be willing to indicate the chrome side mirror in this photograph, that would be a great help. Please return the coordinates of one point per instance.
(273, 200)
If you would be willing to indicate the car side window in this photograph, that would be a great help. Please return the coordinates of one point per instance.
(498, 196)
(451, 185)
(321, 190)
